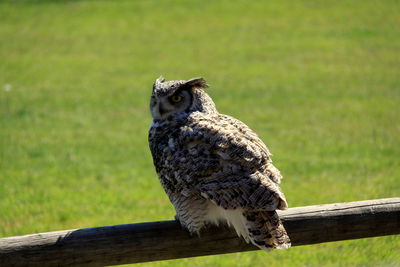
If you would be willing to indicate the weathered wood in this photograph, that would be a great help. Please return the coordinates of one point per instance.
(141, 242)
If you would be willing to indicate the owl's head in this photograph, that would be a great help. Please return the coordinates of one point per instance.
(179, 97)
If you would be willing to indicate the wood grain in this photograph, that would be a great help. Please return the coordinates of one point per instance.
(141, 242)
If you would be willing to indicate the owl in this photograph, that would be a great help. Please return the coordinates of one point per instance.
(213, 167)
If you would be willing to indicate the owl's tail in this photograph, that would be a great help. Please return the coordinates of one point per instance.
(266, 230)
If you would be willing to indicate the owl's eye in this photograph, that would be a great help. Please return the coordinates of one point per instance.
(176, 98)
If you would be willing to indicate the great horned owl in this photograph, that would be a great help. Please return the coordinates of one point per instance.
(213, 167)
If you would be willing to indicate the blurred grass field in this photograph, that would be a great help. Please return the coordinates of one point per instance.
(318, 80)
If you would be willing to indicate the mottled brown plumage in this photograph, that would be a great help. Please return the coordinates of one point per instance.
(213, 167)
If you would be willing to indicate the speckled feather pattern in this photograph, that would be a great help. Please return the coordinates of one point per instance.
(214, 168)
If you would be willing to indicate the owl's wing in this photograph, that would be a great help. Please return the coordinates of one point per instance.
(226, 162)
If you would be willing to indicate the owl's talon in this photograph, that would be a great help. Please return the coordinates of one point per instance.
(180, 223)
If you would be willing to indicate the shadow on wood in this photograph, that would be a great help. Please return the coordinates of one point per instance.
(141, 242)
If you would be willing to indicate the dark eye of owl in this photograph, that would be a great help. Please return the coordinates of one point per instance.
(176, 98)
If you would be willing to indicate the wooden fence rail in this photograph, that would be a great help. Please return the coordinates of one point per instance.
(141, 242)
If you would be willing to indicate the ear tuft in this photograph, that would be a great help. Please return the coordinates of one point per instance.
(197, 82)
(158, 81)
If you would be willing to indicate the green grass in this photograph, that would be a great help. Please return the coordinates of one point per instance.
(318, 80)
